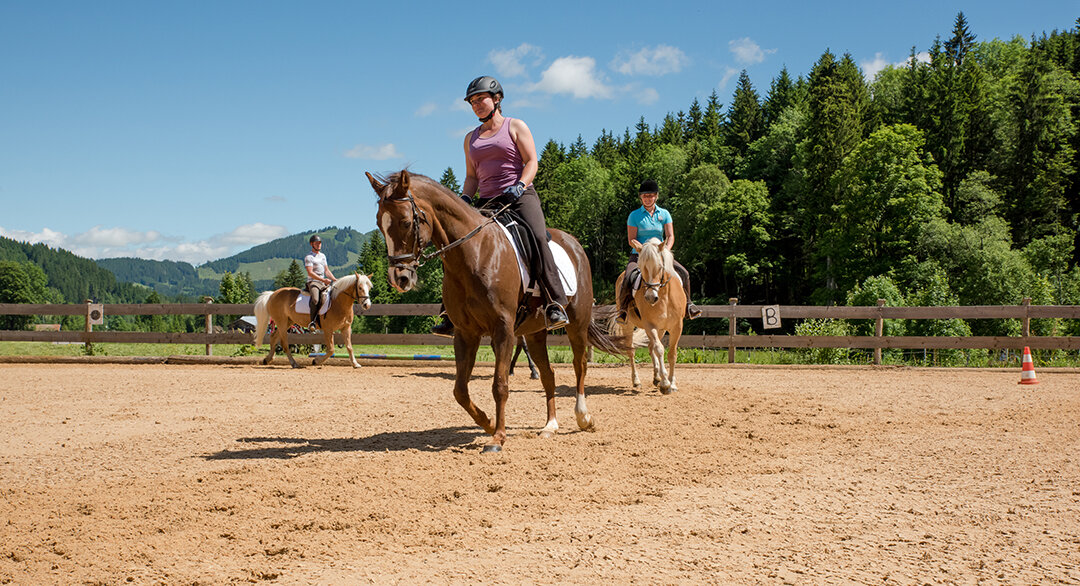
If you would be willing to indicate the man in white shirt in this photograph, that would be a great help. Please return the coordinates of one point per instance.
(319, 277)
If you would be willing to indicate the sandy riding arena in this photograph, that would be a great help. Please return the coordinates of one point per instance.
(240, 473)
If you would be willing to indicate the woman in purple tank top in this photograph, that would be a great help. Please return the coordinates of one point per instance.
(501, 162)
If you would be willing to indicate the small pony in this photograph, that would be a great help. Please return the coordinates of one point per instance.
(280, 306)
(659, 309)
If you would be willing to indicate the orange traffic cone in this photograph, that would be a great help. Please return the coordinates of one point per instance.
(1027, 371)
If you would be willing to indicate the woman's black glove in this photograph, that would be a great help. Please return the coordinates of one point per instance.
(515, 190)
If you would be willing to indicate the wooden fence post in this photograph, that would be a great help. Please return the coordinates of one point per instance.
(1025, 323)
(732, 301)
(879, 329)
(209, 326)
(88, 346)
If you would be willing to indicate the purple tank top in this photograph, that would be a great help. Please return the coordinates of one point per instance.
(498, 163)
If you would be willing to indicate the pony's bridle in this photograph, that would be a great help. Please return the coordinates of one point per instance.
(416, 259)
(656, 286)
(358, 295)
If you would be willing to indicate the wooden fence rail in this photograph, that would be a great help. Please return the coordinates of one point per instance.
(1024, 312)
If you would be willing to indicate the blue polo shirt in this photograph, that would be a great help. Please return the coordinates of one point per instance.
(648, 225)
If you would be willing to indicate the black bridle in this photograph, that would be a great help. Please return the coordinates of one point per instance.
(416, 259)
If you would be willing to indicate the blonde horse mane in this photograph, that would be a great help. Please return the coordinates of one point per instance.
(654, 258)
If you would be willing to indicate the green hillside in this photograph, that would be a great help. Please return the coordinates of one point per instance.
(74, 277)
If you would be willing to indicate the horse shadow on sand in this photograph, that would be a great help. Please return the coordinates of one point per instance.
(431, 440)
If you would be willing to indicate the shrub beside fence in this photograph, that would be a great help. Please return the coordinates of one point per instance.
(733, 312)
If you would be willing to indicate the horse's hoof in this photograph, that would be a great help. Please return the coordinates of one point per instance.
(666, 390)
(534, 376)
(492, 449)
(547, 434)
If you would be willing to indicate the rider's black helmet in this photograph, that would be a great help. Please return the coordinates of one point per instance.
(649, 186)
(314, 238)
(484, 84)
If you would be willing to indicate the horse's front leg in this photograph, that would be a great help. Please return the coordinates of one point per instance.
(502, 344)
(673, 356)
(465, 347)
(347, 331)
(656, 352)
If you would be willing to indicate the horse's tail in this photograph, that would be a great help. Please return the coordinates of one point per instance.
(637, 338)
(262, 316)
(602, 336)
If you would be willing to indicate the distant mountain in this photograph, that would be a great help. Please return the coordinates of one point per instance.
(264, 262)
(128, 280)
(167, 277)
(76, 278)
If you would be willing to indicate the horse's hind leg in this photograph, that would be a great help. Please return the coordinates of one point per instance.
(538, 342)
(579, 343)
(328, 346)
(285, 347)
(273, 348)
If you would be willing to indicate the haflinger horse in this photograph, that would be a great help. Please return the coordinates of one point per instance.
(482, 290)
(280, 306)
(660, 304)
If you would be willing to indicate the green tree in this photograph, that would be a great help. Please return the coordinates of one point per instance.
(887, 190)
(23, 282)
(449, 180)
(294, 276)
(745, 121)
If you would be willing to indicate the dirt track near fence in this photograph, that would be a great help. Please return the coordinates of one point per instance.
(211, 474)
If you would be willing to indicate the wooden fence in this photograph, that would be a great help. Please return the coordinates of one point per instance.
(1024, 312)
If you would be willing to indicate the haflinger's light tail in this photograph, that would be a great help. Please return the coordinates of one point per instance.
(604, 337)
(262, 316)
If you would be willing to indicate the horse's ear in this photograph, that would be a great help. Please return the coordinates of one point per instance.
(403, 181)
(375, 184)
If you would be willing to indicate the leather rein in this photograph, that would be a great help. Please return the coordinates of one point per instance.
(417, 258)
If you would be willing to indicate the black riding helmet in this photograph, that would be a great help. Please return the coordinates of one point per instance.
(314, 238)
(484, 84)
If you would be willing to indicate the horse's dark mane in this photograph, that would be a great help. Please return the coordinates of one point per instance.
(395, 178)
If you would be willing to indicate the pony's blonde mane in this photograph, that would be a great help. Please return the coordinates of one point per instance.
(654, 258)
(346, 282)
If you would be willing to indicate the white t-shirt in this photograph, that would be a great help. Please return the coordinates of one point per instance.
(317, 262)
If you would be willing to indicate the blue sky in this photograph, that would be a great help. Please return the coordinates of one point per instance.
(194, 130)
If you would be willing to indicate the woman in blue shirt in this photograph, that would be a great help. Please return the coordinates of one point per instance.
(651, 221)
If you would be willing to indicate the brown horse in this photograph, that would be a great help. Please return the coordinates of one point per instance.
(482, 291)
(660, 306)
(280, 306)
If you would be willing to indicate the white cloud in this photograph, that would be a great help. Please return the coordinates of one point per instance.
(728, 74)
(46, 236)
(101, 242)
(426, 110)
(576, 76)
(374, 153)
(874, 66)
(275, 199)
(659, 60)
(747, 51)
(98, 237)
(508, 63)
(646, 96)
(252, 234)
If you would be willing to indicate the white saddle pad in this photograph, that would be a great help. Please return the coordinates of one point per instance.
(302, 303)
(567, 273)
